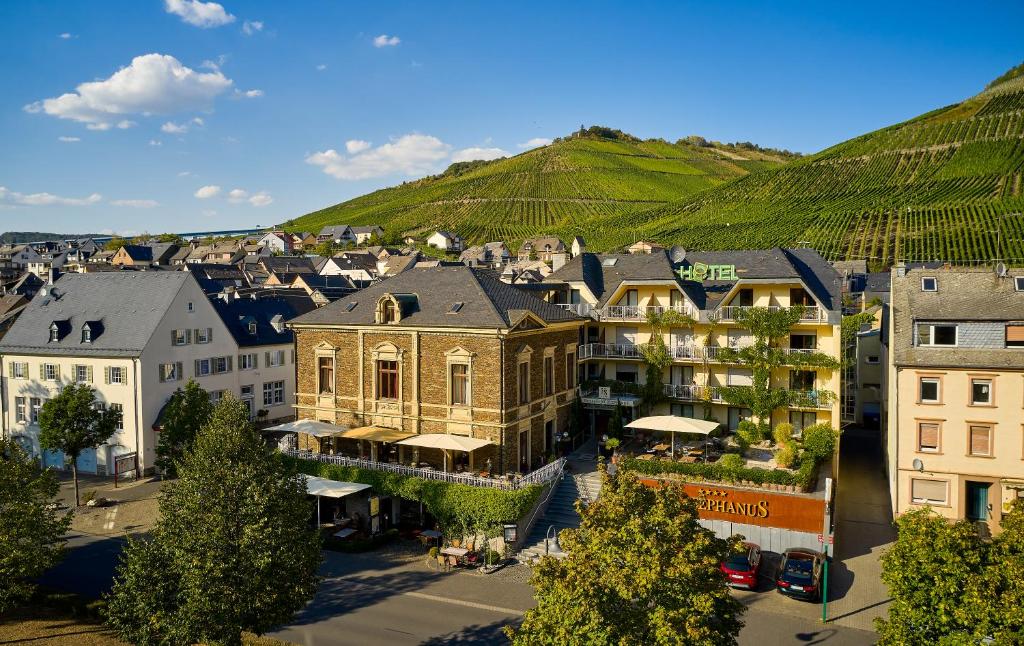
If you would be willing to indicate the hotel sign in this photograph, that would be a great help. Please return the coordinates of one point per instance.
(700, 272)
(718, 500)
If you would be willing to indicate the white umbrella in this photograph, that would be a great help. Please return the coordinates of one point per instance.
(309, 427)
(332, 489)
(674, 424)
(446, 442)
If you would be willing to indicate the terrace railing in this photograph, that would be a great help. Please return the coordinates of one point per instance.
(640, 312)
(610, 351)
(543, 475)
(692, 392)
(811, 313)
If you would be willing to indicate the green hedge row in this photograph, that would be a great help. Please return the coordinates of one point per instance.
(456, 507)
(805, 478)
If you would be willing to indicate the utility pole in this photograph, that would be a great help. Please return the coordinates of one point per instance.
(826, 537)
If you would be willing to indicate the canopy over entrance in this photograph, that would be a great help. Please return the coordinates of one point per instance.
(674, 424)
(375, 433)
(332, 488)
(309, 427)
(446, 443)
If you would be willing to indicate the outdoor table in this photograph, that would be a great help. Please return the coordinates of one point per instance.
(688, 459)
(660, 447)
(645, 456)
(345, 533)
(456, 554)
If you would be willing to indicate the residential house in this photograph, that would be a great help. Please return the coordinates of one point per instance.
(365, 234)
(540, 248)
(445, 241)
(132, 255)
(305, 241)
(324, 289)
(394, 265)
(644, 246)
(955, 390)
(46, 262)
(282, 270)
(361, 268)
(18, 255)
(577, 246)
(338, 234)
(441, 350)
(489, 254)
(278, 242)
(709, 289)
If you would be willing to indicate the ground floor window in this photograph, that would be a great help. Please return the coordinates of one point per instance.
(801, 420)
(930, 492)
(737, 415)
(682, 410)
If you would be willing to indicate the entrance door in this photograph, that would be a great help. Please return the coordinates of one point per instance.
(524, 451)
(87, 461)
(53, 459)
(977, 501)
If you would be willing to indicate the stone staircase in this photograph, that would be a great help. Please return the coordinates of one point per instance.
(581, 481)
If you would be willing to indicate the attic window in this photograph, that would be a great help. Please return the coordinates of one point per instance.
(54, 333)
(252, 327)
(350, 306)
(456, 307)
(1018, 283)
(86, 334)
(608, 262)
(929, 284)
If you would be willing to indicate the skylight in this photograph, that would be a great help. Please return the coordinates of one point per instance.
(609, 262)
(456, 307)
(350, 306)
(929, 284)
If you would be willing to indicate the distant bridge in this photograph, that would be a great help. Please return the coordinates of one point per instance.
(185, 236)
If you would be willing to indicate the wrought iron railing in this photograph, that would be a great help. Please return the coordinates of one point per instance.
(545, 474)
(640, 312)
(731, 312)
(692, 392)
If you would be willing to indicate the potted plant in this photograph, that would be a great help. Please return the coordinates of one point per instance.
(612, 444)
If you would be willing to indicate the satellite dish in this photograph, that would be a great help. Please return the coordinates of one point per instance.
(678, 254)
(1001, 269)
(917, 464)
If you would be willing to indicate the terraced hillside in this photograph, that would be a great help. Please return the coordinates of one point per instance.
(946, 185)
(570, 187)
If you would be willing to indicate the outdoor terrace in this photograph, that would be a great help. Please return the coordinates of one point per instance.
(809, 314)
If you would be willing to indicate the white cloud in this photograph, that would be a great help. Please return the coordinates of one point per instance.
(237, 196)
(46, 199)
(66, 36)
(155, 142)
(261, 199)
(136, 204)
(248, 94)
(151, 84)
(321, 67)
(209, 212)
(386, 41)
(474, 153)
(353, 146)
(186, 173)
(410, 154)
(199, 14)
(69, 140)
(198, 121)
(172, 128)
(536, 142)
(250, 27)
(206, 192)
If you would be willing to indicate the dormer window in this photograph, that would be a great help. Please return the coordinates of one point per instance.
(252, 327)
(1018, 283)
(387, 310)
(929, 284)
(86, 334)
(54, 333)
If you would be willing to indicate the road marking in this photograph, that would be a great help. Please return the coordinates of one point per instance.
(111, 517)
(434, 597)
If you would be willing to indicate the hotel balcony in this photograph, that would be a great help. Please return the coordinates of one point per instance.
(693, 392)
(632, 351)
(810, 314)
(818, 399)
(640, 313)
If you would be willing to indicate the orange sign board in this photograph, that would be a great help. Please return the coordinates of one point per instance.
(754, 506)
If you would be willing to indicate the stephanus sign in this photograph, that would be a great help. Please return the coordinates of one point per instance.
(718, 500)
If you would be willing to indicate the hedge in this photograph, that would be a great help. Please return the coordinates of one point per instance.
(805, 478)
(456, 507)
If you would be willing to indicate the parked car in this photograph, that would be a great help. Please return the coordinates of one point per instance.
(742, 566)
(800, 574)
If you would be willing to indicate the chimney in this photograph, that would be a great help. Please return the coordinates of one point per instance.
(558, 261)
(228, 294)
(900, 269)
(52, 276)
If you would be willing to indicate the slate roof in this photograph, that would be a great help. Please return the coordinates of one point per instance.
(239, 312)
(139, 253)
(334, 230)
(129, 305)
(602, 276)
(430, 294)
(287, 264)
(964, 295)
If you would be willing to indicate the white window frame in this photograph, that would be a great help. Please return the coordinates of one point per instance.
(119, 371)
(273, 393)
(21, 410)
(200, 363)
(203, 335)
(19, 370)
(928, 501)
(1018, 283)
(938, 390)
(247, 361)
(935, 284)
(120, 422)
(79, 378)
(991, 390)
(180, 337)
(50, 372)
(275, 358)
(931, 335)
(171, 375)
(218, 368)
(35, 404)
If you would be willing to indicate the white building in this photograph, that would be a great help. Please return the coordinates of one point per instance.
(278, 241)
(445, 240)
(135, 337)
(19, 255)
(364, 234)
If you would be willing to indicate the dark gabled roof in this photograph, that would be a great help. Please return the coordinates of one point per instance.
(366, 229)
(878, 282)
(602, 273)
(314, 281)
(213, 278)
(428, 294)
(129, 304)
(287, 264)
(241, 311)
(139, 252)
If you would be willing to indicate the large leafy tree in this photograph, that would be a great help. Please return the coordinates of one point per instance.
(233, 550)
(764, 356)
(640, 570)
(73, 422)
(31, 527)
(186, 412)
(950, 586)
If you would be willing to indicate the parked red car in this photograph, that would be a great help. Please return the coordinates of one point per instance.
(741, 567)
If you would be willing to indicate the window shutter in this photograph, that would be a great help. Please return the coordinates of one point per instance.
(229, 363)
(174, 337)
(209, 335)
(88, 373)
(928, 490)
(106, 374)
(1015, 333)
(929, 435)
(10, 370)
(42, 371)
(160, 372)
(255, 359)
(267, 358)
(188, 337)
(197, 367)
(56, 372)
(980, 440)
(178, 371)
(293, 356)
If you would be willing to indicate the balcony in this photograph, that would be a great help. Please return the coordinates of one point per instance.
(579, 309)
(609, 351)
(693, 392)
(820, 399)
(811, 313)
(640, 313)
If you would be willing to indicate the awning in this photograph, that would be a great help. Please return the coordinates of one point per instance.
(332, 488)
(446, 442)
(376, 433)
(309, 427)
(674, 424)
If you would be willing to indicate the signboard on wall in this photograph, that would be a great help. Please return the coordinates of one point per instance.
(700, 272)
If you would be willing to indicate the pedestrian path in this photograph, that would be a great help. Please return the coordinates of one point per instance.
(582, 481)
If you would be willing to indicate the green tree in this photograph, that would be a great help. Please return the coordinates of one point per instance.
(31, 528)
(640, 570)
(233, 550)
(999, 600)
(115, 243)
(74, 422)
(187, 411)
(764, 356)
(325, 249)
(657, 355)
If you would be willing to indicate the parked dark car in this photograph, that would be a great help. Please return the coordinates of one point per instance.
(800, 574)
(742, 566)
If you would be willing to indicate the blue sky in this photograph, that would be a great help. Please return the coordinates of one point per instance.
(248, 113)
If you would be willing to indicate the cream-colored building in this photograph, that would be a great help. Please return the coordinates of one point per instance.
(135, 337)
(955, 405)
(618, 291)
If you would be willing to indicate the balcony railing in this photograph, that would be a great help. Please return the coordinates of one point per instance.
(798, 398)
(610, 351)
(811, 313)
(545, 474)
(692, 392)
(640, 312)
(579, 309)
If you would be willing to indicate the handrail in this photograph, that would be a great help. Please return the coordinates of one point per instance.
(556, 482)
(540, 476)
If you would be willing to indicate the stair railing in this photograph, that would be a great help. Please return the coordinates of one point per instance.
(556, 482)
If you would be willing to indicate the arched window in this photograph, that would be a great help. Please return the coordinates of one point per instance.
(389, 313)
(86, 334)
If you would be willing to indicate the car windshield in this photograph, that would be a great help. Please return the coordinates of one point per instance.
(738, 562)
(798, 568)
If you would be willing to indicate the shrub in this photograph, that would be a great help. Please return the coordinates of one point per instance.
(749, 432)
(714, 471)
(433, 553)
(493, 557)
(785, 455)
(820, 441)
(807, 476)
(732, 462)
(612, 443)
(742, 442)
(783, 433)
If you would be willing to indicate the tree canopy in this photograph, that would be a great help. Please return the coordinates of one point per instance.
(31, 528)
(951, 586)
(186, 412)
(640, 570)
(233, 549)
(75, 421)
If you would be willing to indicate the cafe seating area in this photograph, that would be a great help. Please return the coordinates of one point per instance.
(653, 446)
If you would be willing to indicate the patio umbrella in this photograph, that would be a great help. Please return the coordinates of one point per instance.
(674, 424)
(445, 442)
